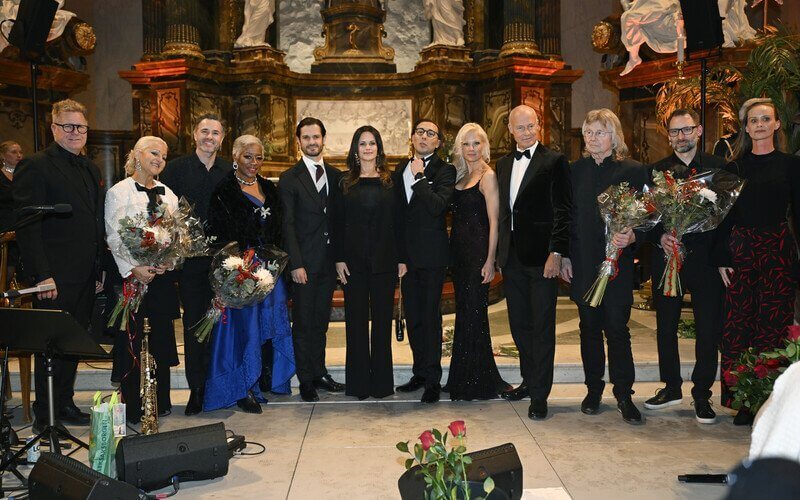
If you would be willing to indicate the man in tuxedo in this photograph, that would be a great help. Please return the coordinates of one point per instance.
(533, 236)
(697, 275)
(195, 176)
(306, 191)
(424, 185)
(62, 250)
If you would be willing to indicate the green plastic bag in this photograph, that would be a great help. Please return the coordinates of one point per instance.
(102, 444)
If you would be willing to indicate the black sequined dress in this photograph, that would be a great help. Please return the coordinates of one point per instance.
(473, 371)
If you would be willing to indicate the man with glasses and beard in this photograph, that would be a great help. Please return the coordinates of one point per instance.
(697, 275)
(62, 250)
(195, 176)
(424, 186)
(306, 191)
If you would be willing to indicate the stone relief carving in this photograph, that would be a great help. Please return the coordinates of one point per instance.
(496, 106)
(169, 117)
(279, 120)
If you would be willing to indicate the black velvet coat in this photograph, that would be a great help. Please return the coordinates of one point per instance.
(233, 217)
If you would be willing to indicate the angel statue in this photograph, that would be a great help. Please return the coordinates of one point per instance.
(258, 15)
(447, 17)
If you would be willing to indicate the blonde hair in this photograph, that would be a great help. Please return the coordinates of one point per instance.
(743, 143)
(459, 162)
(609, 120)
(141, 145)
(68, 106)
(243, 142)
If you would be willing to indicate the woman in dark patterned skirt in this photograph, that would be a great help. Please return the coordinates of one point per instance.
(473, 244)
(754, 248)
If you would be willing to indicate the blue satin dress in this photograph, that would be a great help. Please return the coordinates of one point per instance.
(236, 341)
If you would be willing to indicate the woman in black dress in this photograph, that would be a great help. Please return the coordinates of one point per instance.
(473, 245)
(10, 156)
(367, 264)
(754, 247)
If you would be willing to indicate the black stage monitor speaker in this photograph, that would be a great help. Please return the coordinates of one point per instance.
(30, 30)
(150, 462)
(57, 476)
(703, 24)
(501, 463)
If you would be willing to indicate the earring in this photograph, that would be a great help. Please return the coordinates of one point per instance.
(235, 166)
(358, 161)
(138, 165)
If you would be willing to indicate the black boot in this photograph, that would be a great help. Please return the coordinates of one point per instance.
(195, 404)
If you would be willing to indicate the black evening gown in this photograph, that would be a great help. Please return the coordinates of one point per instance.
(473, 371)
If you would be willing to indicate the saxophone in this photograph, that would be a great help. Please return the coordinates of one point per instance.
(148, 385)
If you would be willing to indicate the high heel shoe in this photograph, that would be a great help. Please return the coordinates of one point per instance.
(249, 404)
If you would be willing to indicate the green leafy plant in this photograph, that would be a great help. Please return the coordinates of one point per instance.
(444, 472)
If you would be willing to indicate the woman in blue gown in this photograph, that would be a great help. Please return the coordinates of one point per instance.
(246, 208)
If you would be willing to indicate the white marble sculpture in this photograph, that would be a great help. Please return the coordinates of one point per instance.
(654, 22)
(9, 11)
(735, 26)
(258, 15)
(447, 17)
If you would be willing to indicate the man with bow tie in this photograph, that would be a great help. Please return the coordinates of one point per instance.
(534, 221)
(424, 185)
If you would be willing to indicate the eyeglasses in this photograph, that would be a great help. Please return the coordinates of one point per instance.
(422, 131)
(258, 159)
(72, 127)
(596, 133)
(673, 132)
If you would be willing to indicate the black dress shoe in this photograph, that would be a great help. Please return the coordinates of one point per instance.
(664, 398)
(520, 392)
(503, 386)
(326, 382)
(195, 404)
(537, 410)
(412, 385)
(629, 412)
(249, 404)
(431, 394)
(308, 393)
(744, 417)
(591, 403)
(164, 413)
(73, 415)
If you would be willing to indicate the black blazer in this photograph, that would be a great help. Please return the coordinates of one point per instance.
(424, 242)
(233, 217)
(541, 209)
(366, 240)
(65, 247)
(307, 227)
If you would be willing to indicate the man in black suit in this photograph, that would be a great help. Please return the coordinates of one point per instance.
(533, 237)
(697, 275)
(62, 250)
(424, 185)
(307, 190)
(195, 176)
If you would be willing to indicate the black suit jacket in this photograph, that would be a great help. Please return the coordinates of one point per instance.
(541, 209)
(307, 227)
(424, 242)
(65, 247)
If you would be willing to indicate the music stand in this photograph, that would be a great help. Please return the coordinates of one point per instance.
(51, 333)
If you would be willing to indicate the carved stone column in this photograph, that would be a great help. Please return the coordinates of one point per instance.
(182, 37)
(519, 33)
(153, 29)
(548, 27)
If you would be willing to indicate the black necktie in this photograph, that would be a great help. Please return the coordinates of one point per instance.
(519, 154)
(152, 196)
(323, 193)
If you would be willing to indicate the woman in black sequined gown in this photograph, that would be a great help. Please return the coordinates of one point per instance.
(473, 243)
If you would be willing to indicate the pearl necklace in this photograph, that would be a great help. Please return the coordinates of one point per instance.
(244, 182)
(8, 169)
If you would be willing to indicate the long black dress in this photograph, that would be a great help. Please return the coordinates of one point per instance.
(473, 371)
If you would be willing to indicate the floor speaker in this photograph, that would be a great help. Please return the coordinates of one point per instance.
(150, 461)
(501, 463)
(703, 24)
(32, 25)
(57, 476)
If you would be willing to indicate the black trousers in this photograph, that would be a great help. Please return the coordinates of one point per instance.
(708, 298)
(422, 296)
(311, 311)
(368, 364)
(196, 294)
(77, 299)
(611, 320)
(531, 300)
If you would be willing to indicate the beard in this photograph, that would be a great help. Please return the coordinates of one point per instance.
(685, 146)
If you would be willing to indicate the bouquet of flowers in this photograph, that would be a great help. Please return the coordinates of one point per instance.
(191, 237)
(240, 279)
(692, 205)
(621, 207)
(752, 379)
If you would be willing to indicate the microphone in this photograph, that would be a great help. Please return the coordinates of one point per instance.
(13, 294)
(58, 208)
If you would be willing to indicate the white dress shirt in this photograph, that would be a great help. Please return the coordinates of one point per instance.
(312, 169)
(518, 170)
(124, 200)
(408, 177)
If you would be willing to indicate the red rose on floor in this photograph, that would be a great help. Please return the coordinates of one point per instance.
(761, 371)
(742, 368)
(730, 378)
(458, 428)
(427, 440)
(794, 332)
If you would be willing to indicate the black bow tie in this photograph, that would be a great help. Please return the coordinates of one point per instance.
(519, 154)
(152, 195)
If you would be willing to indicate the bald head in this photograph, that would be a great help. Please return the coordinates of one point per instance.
(523, 123)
